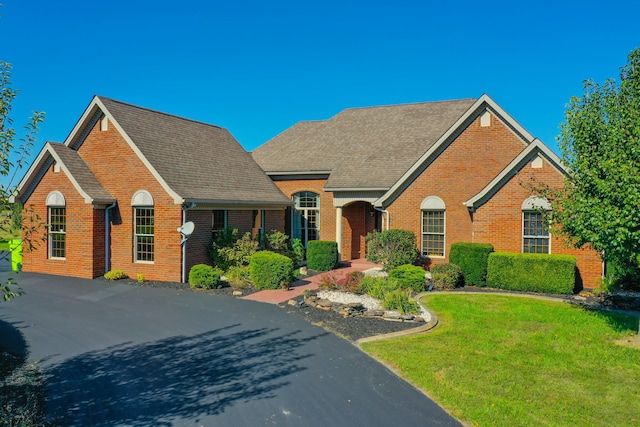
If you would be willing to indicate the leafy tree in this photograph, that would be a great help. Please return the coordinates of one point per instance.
(15, 151)
(600, 143)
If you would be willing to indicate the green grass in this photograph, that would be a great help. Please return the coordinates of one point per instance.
(506, 361)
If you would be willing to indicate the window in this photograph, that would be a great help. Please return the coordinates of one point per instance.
(144, 226)
(57, 236)
(306, 217)
(57, 231)
(144, 233)
(218, 221)
(535, 233)
(433, 227)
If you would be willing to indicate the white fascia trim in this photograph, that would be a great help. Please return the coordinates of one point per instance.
(96, 103)
(234, 204)
(484, 99)
(35, 166)
(354, 189)
(535, 148)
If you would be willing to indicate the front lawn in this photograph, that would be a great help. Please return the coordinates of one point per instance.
(510, 361)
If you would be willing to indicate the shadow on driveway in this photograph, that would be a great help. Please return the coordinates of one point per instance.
(174, 378)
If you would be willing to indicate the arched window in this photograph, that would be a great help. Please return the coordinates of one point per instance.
(535, 231)
(57, 236)
(433, 226)
(144, 226)
(305, 220)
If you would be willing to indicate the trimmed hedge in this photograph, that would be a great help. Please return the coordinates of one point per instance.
(204, 276)
(409, 277)
(322, 255)
(472, 258)
(269, 269)
(554, 274)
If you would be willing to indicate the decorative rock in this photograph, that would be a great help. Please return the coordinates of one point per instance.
(406, 316)
(292, 302)
(391, 315)
(237, 293)
(304, 271)
(579, 298)
(324, 303)
(373, 313)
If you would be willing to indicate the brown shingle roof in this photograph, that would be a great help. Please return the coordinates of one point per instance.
(198, 161)
(81, 173)
(362, 147)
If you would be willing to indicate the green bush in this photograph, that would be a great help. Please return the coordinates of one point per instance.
(377, 287)
(115, 275)
(447, 276)
(269, 269)
(401, 301)
(555, 274)
(472, 258)
(204, 276)
(239, 254)
(622, 277)
(409, 277)
(392, 248)
(322, 255)
(238, 277)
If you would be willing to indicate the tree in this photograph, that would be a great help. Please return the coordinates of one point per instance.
(15, 151)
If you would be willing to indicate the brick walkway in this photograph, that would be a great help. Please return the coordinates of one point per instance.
(278, 296)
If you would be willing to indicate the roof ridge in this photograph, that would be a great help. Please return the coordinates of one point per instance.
(151, 110)
(406, 104)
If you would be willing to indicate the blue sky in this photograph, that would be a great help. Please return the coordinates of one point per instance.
(258, 67)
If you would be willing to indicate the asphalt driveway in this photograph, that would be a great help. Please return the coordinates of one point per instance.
(117, 355)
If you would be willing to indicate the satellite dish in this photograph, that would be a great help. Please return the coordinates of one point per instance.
(186, 230)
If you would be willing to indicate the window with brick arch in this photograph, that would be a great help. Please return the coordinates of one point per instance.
(535, 230)
(57, 216)
(305, 218)
(143, 227)
(433, 227)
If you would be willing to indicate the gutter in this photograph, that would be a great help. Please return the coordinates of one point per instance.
(107, 237)
(384, 212)
(184, 244)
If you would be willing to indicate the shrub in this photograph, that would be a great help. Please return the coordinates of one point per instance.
(447, 276)
(204, 276)
(472, 258)
(297, 251)
(140, 277)
(238, 277)
(322, 255)
(239, 254)
(224, 238)
(555, 274)
(350, 282)
(115, 275)
(409, 277)
(278, 242)
(269, 269)
(377, 287)
(391, 248)
(401, 301)
(620, 276)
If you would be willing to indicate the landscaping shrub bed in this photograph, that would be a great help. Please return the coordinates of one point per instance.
(269, 270)
(554, 274)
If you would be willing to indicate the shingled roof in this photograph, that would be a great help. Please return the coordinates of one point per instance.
(361, 148)
(198, 161)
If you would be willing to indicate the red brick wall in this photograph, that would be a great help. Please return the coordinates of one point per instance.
(122, 174)
(81, 223)
(472, 160)
(357, 222)
(499, 221)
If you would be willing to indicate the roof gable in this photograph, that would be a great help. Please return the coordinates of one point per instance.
(74, 168)
(484, 103)
(536, 148)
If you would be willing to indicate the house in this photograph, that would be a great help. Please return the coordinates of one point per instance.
(451, 171)
(126, 178)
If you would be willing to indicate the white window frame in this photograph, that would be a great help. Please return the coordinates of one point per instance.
(535, 206)
(433, 204)
(304, 213)
(55, 200)
(142, 200)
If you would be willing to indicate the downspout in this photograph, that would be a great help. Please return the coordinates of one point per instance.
(184, 245)
(107, 237)
(386, 213)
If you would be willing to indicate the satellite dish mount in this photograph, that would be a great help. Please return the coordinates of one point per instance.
(186, 230)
